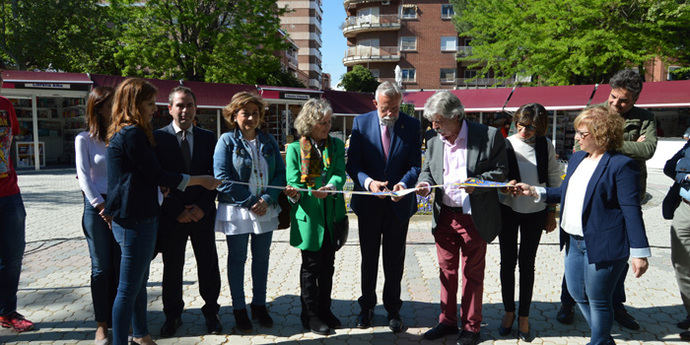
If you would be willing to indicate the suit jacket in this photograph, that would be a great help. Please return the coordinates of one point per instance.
(486, 159)
(308, 222)
(170, 157)
(365, 158)
(611, 214)
(134, 174)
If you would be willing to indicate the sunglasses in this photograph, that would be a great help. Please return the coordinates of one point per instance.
(527, 127)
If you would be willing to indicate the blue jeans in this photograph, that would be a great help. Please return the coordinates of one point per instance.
(12, 243)
(105, 262)
(137, 241)
(237, 256)
(592, 286)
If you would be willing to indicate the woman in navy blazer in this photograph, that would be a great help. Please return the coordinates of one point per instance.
(601, 219)
(134, 175)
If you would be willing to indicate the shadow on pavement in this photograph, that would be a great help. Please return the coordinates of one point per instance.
(285, 312)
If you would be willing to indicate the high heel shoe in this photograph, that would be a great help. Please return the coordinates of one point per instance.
(525, 336)
(503, 331)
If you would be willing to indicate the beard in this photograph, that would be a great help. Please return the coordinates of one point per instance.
(388, 120)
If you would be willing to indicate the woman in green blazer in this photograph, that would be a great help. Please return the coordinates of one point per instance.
(316, 162)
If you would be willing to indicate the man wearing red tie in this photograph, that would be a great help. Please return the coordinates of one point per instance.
(384, 155)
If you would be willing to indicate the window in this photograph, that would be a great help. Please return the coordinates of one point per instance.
(470, 73)
(448, 75)
(408, 74)
(375, 72)
(449, 43)
(447, 11)
(409, 11)
(408, 43)
(670, 75)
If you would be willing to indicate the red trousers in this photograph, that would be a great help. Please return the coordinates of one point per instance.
(457, 236)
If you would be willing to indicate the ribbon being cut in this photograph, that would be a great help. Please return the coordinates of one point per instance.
(472, 182)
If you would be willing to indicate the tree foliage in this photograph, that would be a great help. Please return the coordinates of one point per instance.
(206, 40)
(359, 79)
(69, 35)
(571, 42)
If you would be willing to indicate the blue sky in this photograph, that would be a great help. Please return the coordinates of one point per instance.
(334, 43)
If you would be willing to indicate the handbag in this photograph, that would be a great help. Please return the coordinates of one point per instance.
(341, 229)
(671, 201)
(284, 218)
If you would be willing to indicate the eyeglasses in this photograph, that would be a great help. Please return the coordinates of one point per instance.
(581, 134)
(527, 127)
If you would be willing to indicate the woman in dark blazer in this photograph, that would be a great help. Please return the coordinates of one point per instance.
(601, 219)
(316, 162)
(133, 203)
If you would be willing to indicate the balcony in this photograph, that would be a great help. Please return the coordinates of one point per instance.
(292, 61)
(352, 3)
(385, 22)
(463, 51)
(360, 54)
(483, 82)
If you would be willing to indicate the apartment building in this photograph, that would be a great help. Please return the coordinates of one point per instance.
(419, 36)
(303, 25)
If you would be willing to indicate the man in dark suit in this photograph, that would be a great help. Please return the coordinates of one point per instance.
(384, 154)
(464, 219)
(184, 148)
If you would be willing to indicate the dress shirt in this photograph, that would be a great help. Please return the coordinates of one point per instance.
(190, 136)
(391, 133)
(455, 170)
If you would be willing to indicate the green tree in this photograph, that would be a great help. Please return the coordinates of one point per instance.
(67, 35)
(359, 79)
(230, 41)
(568, 42)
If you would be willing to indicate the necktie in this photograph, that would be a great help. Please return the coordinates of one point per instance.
(385, 140)
(186, 152)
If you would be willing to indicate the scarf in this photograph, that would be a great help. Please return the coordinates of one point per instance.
(313, 161)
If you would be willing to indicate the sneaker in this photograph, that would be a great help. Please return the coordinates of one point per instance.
(17, 322)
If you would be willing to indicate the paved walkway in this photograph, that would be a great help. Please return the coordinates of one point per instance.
(54, 288)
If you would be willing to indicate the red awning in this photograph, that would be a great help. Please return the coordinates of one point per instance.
(45, 77)
(163, 86)
(483, 100)
(350, 103)
(213, 95)
(571, 97)
(662, 94)
(418, 98)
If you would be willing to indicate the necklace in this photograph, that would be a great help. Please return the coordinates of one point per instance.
(257, 168)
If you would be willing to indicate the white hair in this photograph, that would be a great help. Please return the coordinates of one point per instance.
(389, 89)
(444, 103)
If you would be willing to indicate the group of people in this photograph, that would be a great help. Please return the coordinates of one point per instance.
(148, 191)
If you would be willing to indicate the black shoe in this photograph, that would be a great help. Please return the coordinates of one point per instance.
(624, 319)
(331, 320)
(566, 315)
(364, 318)
(395, 322)
(526, 336)
(685, 335)
(503, 331)
(468, 338)
(259, 312)
(213, 324)
(170, 326)
(685, 324)
(317, 326)
(439, 331)
(242, 322)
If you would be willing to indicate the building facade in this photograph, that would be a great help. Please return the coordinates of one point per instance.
(303, 24)
(418, 36)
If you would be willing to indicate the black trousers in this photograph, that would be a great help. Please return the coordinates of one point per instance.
(172, 241)
(389, 231)
(316, 278)
(530, 226)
